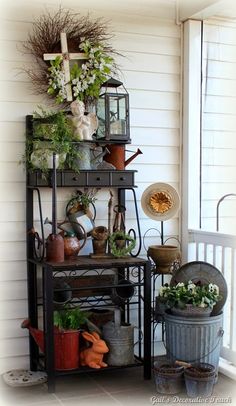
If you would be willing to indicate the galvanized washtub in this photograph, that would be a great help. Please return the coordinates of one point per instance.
(194, 339)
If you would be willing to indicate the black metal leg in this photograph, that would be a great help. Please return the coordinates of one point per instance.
(33, 313)
(147, 321)
(32, 281)
(48, 327)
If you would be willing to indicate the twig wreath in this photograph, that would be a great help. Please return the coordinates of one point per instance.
(121, 252)
(83, 35)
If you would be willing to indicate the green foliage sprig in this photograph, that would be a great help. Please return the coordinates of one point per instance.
(86, 80)
(45, 38)
(70, 318)
(83, 199)
(197, 295)
(118, 251)
(52, 132)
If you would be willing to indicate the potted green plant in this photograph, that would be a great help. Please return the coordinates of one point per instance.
(67, 321)
(81, 201)
(121, 244)
(52, 132)
(78, 212)
(189, 299)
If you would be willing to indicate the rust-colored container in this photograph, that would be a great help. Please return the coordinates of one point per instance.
(116, 156)
(66, 346)
(72, 245)
(66, 349)
(99, 246)
(55, 248)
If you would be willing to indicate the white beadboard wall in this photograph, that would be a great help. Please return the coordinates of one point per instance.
(219, 125)
(151, 74)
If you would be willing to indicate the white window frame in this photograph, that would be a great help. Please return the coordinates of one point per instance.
(191, 135)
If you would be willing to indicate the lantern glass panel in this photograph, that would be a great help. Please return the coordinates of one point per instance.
(101, 115)
(117, 115)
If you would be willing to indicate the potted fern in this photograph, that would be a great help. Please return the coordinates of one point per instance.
(52, 132)
(67, 321)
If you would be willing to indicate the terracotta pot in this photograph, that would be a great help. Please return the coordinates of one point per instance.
(99, 246)
(164, 256)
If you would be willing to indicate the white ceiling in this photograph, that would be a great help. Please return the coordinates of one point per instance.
(167, 9)
(202, 9)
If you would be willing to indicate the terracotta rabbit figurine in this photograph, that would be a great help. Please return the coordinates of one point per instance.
(93, 355)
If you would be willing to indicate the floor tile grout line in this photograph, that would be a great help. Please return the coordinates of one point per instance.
(57, 398)
(109, 394)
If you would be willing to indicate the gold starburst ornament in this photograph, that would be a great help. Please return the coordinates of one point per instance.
(160, 201)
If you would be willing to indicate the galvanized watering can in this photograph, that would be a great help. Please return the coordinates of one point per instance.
(120, 340)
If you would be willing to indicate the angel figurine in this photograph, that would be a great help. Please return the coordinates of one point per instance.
(84, 125)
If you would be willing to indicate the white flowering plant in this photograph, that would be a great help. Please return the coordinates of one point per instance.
(198, 295)
(86, 80)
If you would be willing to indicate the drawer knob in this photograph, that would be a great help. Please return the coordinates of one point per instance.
(74, 178)
(98, 178)
(122, 178)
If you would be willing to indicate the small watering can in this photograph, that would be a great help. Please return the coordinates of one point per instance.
(116, 156)
(120, 340)
(97, 154)
(72, 245)
(88, 156)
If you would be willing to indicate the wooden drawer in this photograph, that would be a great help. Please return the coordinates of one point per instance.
(74, 179)
(37, 179)
(98, 179)
(122, 178)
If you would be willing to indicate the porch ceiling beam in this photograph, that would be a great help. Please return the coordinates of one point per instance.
(202, 9)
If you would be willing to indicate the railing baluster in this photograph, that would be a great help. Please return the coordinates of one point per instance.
(205, 252)
(220, 250)
(232, 304)
(223, 261)
(214, 254)
(197, 251)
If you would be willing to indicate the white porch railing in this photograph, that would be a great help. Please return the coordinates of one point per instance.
(219, 250)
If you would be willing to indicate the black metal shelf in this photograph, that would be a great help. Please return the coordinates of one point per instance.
(123, 267)
(87, 370)
(42, 274)
(84, 178)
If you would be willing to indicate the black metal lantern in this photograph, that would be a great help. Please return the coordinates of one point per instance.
(113, 113)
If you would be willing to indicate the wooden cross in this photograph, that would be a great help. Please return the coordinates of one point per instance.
(66, 57)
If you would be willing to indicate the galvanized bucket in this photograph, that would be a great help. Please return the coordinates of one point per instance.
(169, 378)
(199, 380)
(194, 339)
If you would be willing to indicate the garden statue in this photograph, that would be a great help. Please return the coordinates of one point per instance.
(93, 356)
(84, 125)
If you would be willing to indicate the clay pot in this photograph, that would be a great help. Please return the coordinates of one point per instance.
(164, 256)
(100, 236)
(55, 248)
(99, 246)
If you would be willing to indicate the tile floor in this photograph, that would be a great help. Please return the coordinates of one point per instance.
(119, 387)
